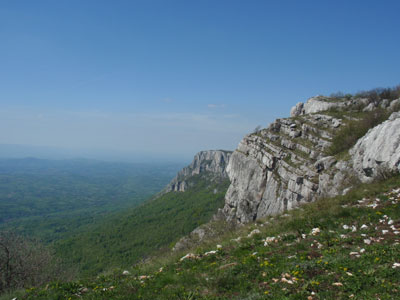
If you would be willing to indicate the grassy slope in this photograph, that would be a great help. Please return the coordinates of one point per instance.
(295, 265)
(125, 238)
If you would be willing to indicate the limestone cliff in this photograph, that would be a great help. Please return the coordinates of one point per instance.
(379, 150)
(284, 165)
(213, 162)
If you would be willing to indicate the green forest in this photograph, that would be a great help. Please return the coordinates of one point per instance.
(50, 199)
(125, 238)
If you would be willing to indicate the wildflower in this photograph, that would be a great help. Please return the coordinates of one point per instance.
(270, 239)
(348, 273)
(356, 254)
(385, 231)
(189, 255)
(210, 252)
(219, 247)
(367, 241)
(255, 231)
(353, 228)
(362, 250)
(364, 226)
(337, 284)
(315, 231)
(396, 265)
(126, 272)
(283, 279)
(303, 236)
(346, 227)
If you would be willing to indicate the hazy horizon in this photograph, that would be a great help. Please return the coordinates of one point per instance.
(167, 79)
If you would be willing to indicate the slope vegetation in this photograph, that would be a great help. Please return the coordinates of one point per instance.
(347, 247)
(125, 238)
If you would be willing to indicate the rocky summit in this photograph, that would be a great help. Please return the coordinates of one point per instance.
(212, 162)
(287, 164)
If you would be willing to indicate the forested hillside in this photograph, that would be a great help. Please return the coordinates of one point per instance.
(125, 238)
(50, 199)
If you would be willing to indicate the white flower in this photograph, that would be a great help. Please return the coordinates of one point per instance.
(385, 231)
(346, 227)
(363, 226)
(189, 255)
(126, 272)
(362, 250)
(337, 284)
(396, 265)
(315, 231)
(219, 247)
(255, 231)
(270, 239)
(353, 228)
(367, 241)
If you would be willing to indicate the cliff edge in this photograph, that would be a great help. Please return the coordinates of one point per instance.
(288, 163)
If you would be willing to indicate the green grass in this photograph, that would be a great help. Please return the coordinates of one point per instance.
(351, 131)
(295, 264)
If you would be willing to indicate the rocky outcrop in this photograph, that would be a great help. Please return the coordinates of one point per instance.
(379, 150)
(284, 165)
(281, 167)
(317, 104)
(213, 162)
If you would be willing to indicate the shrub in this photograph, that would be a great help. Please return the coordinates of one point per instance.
(349, 134)
(24, 263)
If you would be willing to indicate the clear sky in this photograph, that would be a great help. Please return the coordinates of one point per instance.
(177, 77)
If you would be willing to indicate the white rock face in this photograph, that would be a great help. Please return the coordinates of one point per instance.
(281, 167)
(212, 161)
(378, 149)
(316, 104)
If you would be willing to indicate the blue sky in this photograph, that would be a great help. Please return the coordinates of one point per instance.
(177, 77)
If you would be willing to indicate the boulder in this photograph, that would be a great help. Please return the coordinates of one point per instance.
(379, 150)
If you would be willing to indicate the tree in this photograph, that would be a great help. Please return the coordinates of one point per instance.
(257, 129)
(24, 262)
